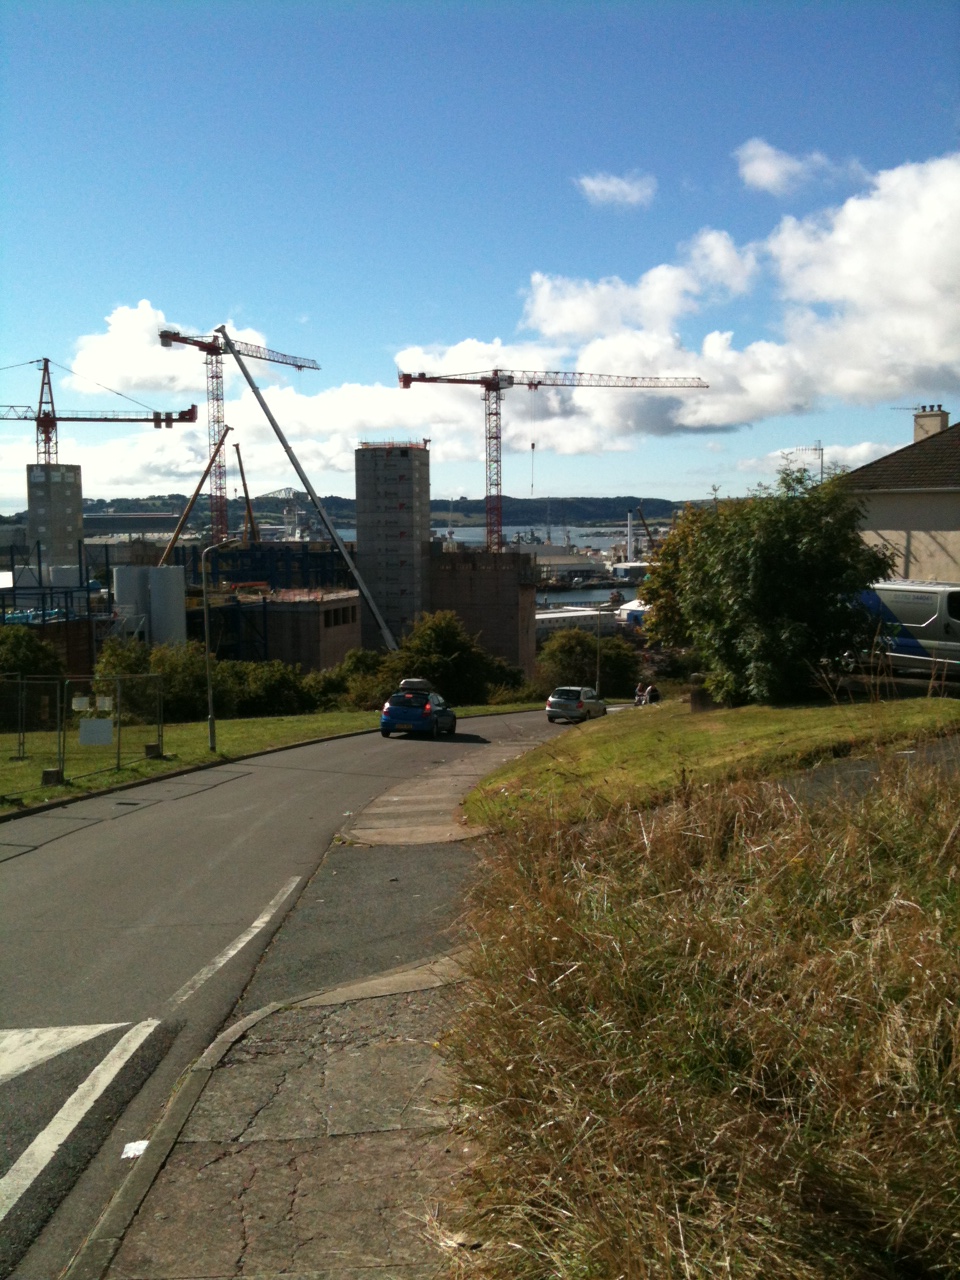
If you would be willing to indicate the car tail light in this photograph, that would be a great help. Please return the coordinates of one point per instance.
(386, 708)
(579, 706)
(427, 708)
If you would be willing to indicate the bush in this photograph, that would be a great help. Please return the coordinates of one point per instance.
(570, 657)
(440, 649)
(24, 652)
(184, 672)
(767, 587)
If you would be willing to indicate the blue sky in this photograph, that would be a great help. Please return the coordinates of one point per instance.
(609, 187)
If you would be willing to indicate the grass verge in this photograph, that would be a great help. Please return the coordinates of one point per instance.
(185, 746)
(719, 1038)
(638, 755)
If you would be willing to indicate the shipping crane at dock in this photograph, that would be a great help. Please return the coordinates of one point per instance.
(212, 346)
(46, 416)
(495, 382)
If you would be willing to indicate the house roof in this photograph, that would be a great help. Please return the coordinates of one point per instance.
(931, 463)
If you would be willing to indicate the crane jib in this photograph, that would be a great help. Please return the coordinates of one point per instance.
(495, 381)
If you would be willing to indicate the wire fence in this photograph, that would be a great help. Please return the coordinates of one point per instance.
(53, 731)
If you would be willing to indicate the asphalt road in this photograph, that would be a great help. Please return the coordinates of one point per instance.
(131, 925)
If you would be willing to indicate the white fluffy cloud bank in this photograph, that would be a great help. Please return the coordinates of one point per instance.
(866, 310)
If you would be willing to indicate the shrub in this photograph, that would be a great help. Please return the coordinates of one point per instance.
(24, 652)
(767, 587)
(570, 657)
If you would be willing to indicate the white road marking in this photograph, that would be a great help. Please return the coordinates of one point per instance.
(262, 920)
(46, 1144)
(27, 1047)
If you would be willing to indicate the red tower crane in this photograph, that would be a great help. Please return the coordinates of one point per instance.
(47, 417)
(495, 382)
(211, 345)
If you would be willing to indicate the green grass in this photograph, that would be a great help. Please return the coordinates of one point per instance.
(185, 746)
(639, 754)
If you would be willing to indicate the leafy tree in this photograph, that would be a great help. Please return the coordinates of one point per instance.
(570, 657)
(24, 652)
(767, 586)
(440, 649)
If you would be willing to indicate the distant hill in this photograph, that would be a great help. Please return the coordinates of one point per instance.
(516, 511)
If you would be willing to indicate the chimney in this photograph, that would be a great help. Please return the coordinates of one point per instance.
(929, 420)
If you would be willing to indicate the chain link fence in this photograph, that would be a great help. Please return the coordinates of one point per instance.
(54, 731)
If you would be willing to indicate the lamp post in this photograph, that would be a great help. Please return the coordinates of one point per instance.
(211, 719)
(597, 689)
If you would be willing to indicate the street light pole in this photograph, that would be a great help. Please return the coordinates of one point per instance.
(597, 689)
(211, 719)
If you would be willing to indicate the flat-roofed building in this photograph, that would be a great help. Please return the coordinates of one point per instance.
(393, 532)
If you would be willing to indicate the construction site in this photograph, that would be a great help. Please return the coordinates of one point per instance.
(270, 577)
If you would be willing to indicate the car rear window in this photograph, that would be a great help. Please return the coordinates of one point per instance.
(414, 699)
(567, 695)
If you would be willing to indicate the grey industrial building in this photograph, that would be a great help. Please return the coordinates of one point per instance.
(393, 532)
(54, 512)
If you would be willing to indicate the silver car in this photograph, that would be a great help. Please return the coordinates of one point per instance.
(574, 703)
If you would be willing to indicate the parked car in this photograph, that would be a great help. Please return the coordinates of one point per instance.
(416, 708)
(574, 703)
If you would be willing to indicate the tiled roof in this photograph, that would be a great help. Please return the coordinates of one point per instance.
(931, 463)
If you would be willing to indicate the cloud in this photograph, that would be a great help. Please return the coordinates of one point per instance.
(865, 303)
(128, 357)
(606, 188)
(766, 168)
(834, 455)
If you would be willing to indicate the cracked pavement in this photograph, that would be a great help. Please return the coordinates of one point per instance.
(321, 1148)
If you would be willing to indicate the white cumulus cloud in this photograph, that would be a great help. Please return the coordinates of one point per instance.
(608, 188)
(766, 168)
(834, 455)
(865, 309)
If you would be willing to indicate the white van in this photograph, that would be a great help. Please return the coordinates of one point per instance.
(924, 619)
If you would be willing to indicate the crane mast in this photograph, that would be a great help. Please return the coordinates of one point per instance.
(213, 348)
(493, 384)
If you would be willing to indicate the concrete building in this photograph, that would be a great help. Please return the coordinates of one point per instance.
(54, 512)
(393, 532)
(493, 595)
(312, 629)
(911, 499)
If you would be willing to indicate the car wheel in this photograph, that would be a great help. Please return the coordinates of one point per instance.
(552, 719)
(453, 727)
(435, 730)
(384, 733)
(603, 711)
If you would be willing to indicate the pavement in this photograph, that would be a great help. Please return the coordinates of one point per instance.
(313, 1140)
(316, 1137)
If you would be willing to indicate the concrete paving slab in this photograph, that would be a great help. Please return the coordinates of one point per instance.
(377, 1087)
(322, 1146)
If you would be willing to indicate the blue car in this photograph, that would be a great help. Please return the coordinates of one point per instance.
(416, 708)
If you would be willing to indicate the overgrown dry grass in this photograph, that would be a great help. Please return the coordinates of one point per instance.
(719, 1039)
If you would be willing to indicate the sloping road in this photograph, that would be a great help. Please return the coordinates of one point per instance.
(131, 924)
